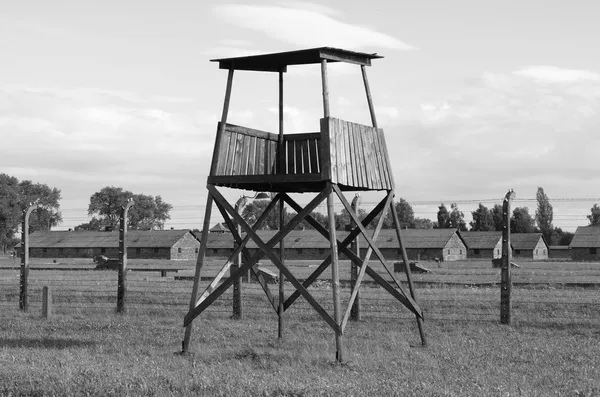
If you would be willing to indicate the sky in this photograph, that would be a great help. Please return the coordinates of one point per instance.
(475, 97)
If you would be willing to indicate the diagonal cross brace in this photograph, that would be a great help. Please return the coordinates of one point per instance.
(265, 250)
(365, 263)
(342, 246)
(375, 249)
(211, 287)
(246, 253)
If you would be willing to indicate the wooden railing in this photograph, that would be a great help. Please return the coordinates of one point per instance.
(245, 151)
(349, 154)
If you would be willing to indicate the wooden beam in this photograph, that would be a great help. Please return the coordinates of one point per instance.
(372, 244)
(199, 263)
(407, 270)
(505, 276)
(221, 127)
(335, 278)
(369, 98)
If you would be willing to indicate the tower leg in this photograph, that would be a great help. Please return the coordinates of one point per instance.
(281, 309)
(407, 269)
(335, 281)
(199, 263)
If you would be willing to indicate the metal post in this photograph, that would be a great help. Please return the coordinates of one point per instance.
(505, 276)
(122, 282)
(23, 298)
(355, 247)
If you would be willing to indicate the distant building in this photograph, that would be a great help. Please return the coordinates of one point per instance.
(559, 252)
(420, 244)
(150, 244)
(529, 246)
(219, 228)
(483, 245)
(585, 245)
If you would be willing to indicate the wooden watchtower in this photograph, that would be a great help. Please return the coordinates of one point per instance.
(342, 156)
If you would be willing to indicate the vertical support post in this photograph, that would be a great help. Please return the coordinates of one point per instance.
(215, 157)
(335, 278)
(185, 344)
(355, 247)
(281, 149)
(46, 302)
(369, 98)
(325, 88)
(281, 309)
(407, 270)
(122, 282)
(23, 293)
(237, 262)
(505, 276)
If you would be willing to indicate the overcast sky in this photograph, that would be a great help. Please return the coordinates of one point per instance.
(476, 97)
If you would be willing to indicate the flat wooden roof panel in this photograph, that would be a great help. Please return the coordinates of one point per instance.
(280, 61)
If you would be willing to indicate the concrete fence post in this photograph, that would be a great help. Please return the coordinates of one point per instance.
(122, 281)
(46, 302)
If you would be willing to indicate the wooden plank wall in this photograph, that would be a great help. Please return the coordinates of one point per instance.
(245, 151)
(358, 155)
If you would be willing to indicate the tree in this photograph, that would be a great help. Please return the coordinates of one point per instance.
(560, 237)
(594, 217)
(16, 196)
(147, 213)
(443, 218)
(521, 221)
(343, 218)
(497, 217)
(46, 200)
(422, 223)
(544, 214)
(483, 220)
(406, 216)
(457, 218)
(254, 209)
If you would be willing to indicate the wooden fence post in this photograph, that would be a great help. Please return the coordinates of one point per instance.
(505, 277)
(122, 282)
(46, 302)
(23, 294)
(355, 247)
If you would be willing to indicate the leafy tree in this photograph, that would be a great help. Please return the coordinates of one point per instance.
(560, 237)
(94, 224)
(457, 218)
(422, 223)
(521, 221)
(497, 217)
(254, 209)
(343, 218)
(483, 220)
(443, 218)
(147, 213)
(544, 214)
(15, 197)
(406, 216)
(594, 217)
(46, 199)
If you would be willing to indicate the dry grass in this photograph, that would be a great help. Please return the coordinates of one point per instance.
(86, 349)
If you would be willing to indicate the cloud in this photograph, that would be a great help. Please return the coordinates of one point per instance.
(504, 130)
(308, 26)
(552, 74)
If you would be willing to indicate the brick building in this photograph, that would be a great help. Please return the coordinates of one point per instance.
(147, 244)
(585, 245)
(420, 244)
(529, 246)
(483, 245)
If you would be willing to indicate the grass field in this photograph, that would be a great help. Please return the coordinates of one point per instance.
(552, 347)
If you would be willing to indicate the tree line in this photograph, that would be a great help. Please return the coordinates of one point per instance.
(149, 212)
(484, 218)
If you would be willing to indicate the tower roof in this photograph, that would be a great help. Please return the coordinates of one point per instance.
(279, 61)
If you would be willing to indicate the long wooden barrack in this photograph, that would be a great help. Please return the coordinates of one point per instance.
(342, 156)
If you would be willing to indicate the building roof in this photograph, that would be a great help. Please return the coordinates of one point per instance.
(526, 241)
(279, 61)
(559, 247)
(412, 238)
(95, 239)
(219, 228)
(586, 237)
(481, 240)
